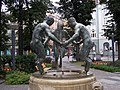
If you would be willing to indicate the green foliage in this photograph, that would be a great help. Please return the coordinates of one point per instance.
(4, 38)
(35, 12)
(25, 63)
(17, 77)
(78, 63)
(28, 13)
(48, 60)
(48, 65)
(80, 9)
(2, 74)
(116, 64)
(106, 68)
(5, 59)
(113, 7)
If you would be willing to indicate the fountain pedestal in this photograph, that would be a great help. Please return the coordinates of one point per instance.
(62, 80)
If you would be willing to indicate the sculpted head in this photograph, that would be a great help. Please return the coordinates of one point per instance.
(49, 20)
(72, 22)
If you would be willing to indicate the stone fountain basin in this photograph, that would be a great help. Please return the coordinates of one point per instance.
(62, 80)
(63, 74)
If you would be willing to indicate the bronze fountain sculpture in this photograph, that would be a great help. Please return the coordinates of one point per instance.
(62, 79)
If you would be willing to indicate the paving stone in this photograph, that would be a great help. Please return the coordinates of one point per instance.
(115, 78)
(108, 81)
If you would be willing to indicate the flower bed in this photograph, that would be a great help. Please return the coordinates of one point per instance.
(101, 63)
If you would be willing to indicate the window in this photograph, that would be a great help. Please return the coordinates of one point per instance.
(93, 34)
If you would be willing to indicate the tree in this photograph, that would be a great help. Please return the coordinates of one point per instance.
(27, 13)
(4, 38)
(80, 9)
(15, 8)
(114, 9)
(34, 13)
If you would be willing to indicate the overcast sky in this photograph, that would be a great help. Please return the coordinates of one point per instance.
(55, 3)
(55, 0)
(3, 7)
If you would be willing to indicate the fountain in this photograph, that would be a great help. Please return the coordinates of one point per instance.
(63, 79)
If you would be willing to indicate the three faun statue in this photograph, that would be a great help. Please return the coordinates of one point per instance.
(42, 34)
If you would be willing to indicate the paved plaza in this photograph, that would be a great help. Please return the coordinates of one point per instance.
(110, 81)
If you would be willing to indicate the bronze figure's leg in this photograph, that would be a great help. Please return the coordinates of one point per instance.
(39, 50)
(84, 54)
(56, 55)
(87, 65)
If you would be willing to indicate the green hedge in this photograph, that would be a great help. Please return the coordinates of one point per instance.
(5, 59)
(106, 68)
(25, 63)
(116, 63)
(17, 77)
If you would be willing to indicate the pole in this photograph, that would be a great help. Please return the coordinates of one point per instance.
(20, 30)
(113, 54)
(97, 24)
(13, 49)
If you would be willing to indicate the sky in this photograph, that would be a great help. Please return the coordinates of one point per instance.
(55, 0)
(4, 8)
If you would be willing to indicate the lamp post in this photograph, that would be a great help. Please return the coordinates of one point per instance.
(97, 24)
(113, 55)
(13, 27)
(13, 48)
(112, 36)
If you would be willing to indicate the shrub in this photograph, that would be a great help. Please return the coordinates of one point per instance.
(5, 59)
(48, 59)
(117, 63)
(26, 63)
(106, 68)
(17, 77)
(48, 65)
(2, 74)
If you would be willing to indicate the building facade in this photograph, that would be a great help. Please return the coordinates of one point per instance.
(102, 44)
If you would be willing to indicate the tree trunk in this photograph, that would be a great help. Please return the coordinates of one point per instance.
(118, 49)
(20, 30)
(30, 20)
(30, 26)
(0, 30)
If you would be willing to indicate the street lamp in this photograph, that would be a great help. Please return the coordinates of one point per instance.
(112, 36)
(13, 27)
(113, 48)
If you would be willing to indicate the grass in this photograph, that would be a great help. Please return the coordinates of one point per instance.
(17, 78)
(78, 63)
(108, 68)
